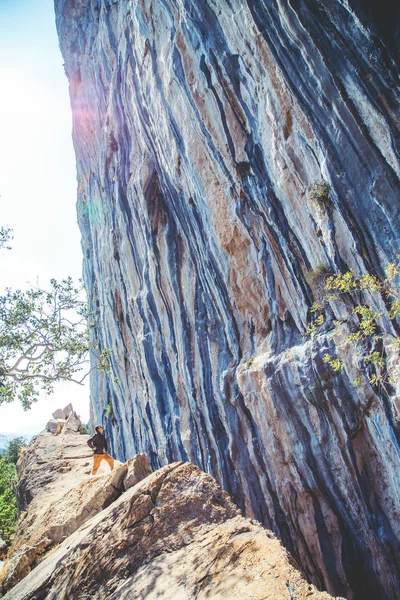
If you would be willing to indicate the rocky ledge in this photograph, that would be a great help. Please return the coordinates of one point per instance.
(135, 534)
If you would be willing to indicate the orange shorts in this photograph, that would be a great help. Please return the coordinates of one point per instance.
(97, 458)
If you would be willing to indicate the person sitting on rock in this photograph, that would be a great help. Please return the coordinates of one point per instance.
(98, 443)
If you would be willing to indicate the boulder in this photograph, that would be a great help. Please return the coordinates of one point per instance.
(68, 410)
(59, 414)
(55, 426)
(73, 423)
(22, 562)
(138, 468)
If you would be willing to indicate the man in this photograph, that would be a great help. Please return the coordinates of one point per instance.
(98, 443)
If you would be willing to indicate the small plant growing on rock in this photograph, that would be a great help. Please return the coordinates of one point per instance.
(291, 585)
(320, 195)
(335, 363)
(316, 279)
(375, 302)
(108, 411)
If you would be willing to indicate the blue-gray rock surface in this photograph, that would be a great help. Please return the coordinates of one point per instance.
(200, 128)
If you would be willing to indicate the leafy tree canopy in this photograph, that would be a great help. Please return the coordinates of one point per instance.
(44, 338)
(5, 237)
(8, 502)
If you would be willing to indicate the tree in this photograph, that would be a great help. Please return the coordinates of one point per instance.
(8, 501)
(12, 451)
(8, 485)
(44, 338)
(5, 237)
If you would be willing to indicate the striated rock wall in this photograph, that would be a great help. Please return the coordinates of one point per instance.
(200, 128)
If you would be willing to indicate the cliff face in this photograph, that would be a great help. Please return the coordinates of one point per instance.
(200, 128)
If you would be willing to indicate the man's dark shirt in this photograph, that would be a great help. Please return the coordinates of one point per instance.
(98, 443)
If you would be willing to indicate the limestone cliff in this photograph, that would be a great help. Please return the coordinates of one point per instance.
(200, 127)
(132, 534)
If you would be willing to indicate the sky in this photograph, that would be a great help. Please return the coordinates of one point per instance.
(37, 177)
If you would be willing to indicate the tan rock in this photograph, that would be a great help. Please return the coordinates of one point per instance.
(64, 496)
(138, 468)
(54, 426)
(22, 562)
(51, 467)
(175, 535)
(3, 549)
(68, 410)
(73, 422)
(59, 414)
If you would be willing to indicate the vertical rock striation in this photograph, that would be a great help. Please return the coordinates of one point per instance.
(200, 127)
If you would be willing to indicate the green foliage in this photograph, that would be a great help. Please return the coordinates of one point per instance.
(12, 451)
(249, 362)
(5, 237)
(104, 361)
(368, 319)
(8, 503)
(335, 363)
(109, 410)
(319, 319)
(44, 338)
(341, 283)
(84, 430)
(320, 195)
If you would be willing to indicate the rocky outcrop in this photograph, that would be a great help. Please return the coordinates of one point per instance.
(57, 495)
(175, 535)
(3, 548)
(64, 418)
(200, 130)
(51, 467)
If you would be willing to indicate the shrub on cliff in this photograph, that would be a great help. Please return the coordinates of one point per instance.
(320, 195)
(373, 308)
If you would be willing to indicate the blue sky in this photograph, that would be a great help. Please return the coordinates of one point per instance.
(37, 175)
